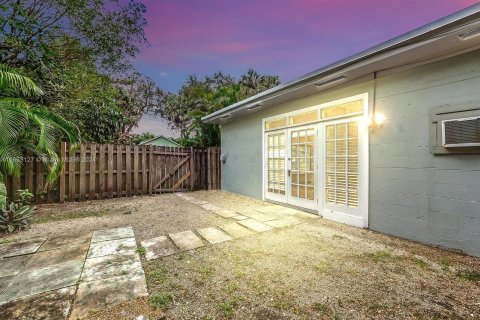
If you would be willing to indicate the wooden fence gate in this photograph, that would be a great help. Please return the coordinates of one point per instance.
(96, 171)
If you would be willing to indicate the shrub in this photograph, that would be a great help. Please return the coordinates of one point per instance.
(16, 215)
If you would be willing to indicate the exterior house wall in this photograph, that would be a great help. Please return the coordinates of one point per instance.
(412, 193)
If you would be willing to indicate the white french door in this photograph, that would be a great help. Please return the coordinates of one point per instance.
(317, 158)
(301, 166)
(275, 152)
(291, 165)
(344, 165)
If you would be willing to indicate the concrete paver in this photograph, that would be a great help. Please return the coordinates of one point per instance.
(20, 248)
(5, 281)
(284, 222)
(198, 202)
(110, 266)
(255, 225)
(186, 240)
(95, 295)
(225, 213)
(262, 217)
(236, 230)
(106, 248)
(42, 280)
(214, 235)
(210, 207)
(61, 241)
(41, 283)
(52, 257)
(112, 234)
(239, 217)
(158, 247)
(53, 305)
(12, 266)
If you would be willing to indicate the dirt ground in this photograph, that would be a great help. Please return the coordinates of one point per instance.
(316, 270)
(150, 216)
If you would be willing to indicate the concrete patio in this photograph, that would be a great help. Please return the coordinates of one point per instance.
(69, 276)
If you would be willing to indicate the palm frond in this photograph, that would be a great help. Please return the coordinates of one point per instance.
(10, 159)
(12, 81)
(58, 123)
(13, 118)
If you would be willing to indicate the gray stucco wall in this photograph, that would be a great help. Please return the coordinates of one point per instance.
(413, 194)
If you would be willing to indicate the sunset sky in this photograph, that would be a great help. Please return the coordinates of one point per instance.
(282, 37)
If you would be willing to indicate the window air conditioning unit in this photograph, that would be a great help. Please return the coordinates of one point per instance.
(461, 133)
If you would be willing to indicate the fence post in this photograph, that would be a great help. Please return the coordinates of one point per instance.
(110, 170)
(150, 170)
(128, 171)
(192, 168)
(81, 188)
(71, 175)
(209, 169)
(101, 171)
(144, 171)
(119, 175)
(136, 169)
(63, 158)
(92, 162)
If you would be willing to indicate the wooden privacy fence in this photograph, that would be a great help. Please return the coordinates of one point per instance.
(98, 171)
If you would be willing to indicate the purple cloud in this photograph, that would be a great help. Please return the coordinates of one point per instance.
(284, 37)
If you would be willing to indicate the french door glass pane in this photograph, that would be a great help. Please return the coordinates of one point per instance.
(276, 163)
(302, 165)
(341, 164)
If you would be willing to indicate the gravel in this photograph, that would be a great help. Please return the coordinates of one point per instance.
(150, 216)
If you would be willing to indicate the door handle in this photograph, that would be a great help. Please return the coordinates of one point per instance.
(289, 171)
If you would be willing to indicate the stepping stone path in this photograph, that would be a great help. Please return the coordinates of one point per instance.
(186, 240)
(112, 273)
(237, 230)
(69, 276)
(245, 223)
(213, 235)
(255, 225)
(158, 247)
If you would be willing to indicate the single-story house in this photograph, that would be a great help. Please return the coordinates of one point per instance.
(161, 142)
(387, 139)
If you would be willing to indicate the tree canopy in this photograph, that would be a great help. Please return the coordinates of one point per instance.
(80, 53)
(199, 97)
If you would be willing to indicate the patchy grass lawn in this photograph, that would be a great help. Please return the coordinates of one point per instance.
(316, 270)
(307, 272)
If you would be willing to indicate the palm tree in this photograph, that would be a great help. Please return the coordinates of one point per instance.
(251, 82)
(28, 127)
